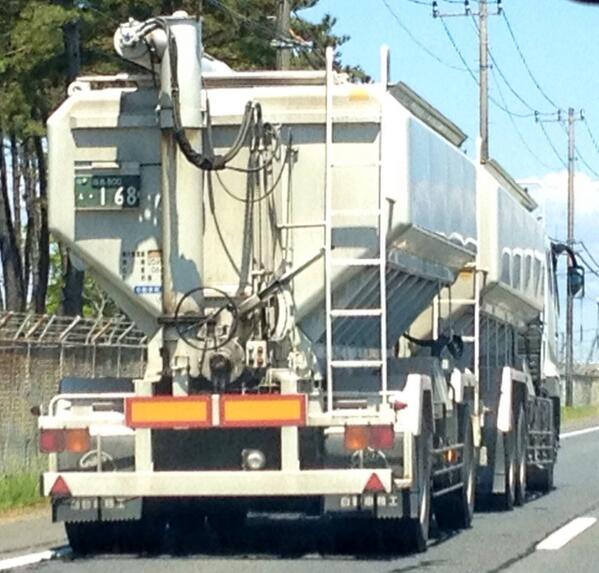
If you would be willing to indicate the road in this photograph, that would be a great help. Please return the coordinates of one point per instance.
(496, 542)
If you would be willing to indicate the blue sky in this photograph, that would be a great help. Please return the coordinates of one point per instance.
(560, 43)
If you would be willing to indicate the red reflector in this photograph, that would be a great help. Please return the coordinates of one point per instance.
(381, 437)
(374, 485)
(60, 488)
(52, 441)
(399, 405)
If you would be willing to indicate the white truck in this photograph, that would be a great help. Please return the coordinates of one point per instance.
(347, 316)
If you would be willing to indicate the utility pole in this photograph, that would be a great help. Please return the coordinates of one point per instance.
(483, 17)
(569, 362)
(283, 51)
(483, 50)
(570, 242)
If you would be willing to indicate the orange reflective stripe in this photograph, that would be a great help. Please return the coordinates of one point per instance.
(168, 412)
(264, 410)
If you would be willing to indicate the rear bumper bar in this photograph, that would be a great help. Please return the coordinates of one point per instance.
(221, 483)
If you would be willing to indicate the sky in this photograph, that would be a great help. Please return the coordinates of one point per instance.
(559, 41)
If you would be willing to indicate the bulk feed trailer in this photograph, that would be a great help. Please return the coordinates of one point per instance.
(287, 241)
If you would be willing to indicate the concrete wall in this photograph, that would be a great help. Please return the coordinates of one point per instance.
(29, 375)
(586, 389)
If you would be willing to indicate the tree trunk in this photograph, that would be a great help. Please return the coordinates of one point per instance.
(14, 291)
(72, 291)
(33, 218)
(16, 193)
(43, 262)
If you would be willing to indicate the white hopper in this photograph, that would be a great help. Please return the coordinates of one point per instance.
(427, 184)
(513, 251)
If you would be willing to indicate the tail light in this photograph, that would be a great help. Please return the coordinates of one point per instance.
(52, 441)
(76, 441)
(356, 437)
(376, 437)
(381, 437)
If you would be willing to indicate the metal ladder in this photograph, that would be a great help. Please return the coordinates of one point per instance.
(335, 263)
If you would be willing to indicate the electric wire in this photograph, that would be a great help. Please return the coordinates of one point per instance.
(581, 157)
(587, 266)
(582, 244)
(552, 145)
(473, 75)
(420, 44)
(506, 81)
(593, 139)
(519, 134)
(525, 62)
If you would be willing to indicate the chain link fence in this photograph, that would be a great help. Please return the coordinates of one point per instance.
(36, 351)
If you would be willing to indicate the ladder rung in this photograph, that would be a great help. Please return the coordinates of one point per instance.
(356, 363)
(356, 312)
(360, 212)
(355, 164)
(356, 262)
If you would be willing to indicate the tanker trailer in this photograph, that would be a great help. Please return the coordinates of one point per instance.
(504, 309)
(273, 234)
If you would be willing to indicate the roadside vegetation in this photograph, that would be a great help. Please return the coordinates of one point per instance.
(580, 413)
(18, 491)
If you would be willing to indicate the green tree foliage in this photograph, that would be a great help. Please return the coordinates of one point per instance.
(34, 68)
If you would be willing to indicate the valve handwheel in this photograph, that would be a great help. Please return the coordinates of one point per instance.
(199, 330)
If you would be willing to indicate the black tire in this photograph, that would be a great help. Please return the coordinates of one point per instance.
(455, 510)
(521, 445)
(415, 531)
(541, 479)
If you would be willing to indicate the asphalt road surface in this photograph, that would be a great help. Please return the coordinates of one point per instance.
(558, 532)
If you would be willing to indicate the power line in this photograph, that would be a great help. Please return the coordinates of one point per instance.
(525, 62)
(581, 243)
(506, 80)
(588, 128)
(551, 144)
(414, 39)
(583, 160)
(473, 75)
(517, 129)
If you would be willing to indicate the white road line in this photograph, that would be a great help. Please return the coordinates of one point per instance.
(579, 432)
(33, 558)
(566, 533)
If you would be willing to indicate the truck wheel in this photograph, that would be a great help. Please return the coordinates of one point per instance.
(454, 510)
(521, 457)
(541, 479)
(415, 530)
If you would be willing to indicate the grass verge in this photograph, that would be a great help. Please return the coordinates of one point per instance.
(18, 491)
(578, 413)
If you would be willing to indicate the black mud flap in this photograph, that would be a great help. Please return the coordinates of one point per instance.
(82, 509)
